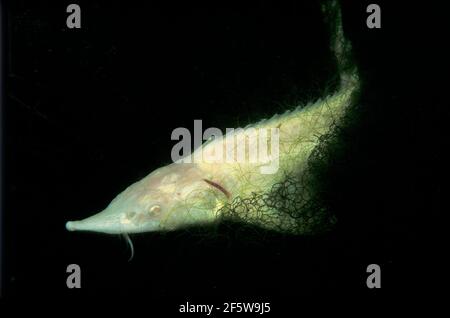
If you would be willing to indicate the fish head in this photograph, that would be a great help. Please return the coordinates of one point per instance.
(169, 198)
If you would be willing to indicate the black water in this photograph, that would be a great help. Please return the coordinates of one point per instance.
(90, 111)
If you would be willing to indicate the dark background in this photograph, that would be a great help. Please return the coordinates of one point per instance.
(90, 111)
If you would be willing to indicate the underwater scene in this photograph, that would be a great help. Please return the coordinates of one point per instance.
(211, 158)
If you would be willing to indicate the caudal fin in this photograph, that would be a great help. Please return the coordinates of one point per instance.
(341, 47)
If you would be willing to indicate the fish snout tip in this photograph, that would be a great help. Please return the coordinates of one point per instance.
(70, 226)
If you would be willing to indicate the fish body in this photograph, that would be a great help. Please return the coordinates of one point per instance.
(211, 184)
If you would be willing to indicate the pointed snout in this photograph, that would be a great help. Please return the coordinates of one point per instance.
(102, 222)
(110, 221)
(84, 226)
(87, 225)
(72, 225)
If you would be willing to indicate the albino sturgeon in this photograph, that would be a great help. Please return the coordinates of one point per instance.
(185, 194)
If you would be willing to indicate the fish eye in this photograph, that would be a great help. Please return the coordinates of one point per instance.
(155, 209)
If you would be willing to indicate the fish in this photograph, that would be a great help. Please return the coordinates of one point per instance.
(196, 192)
